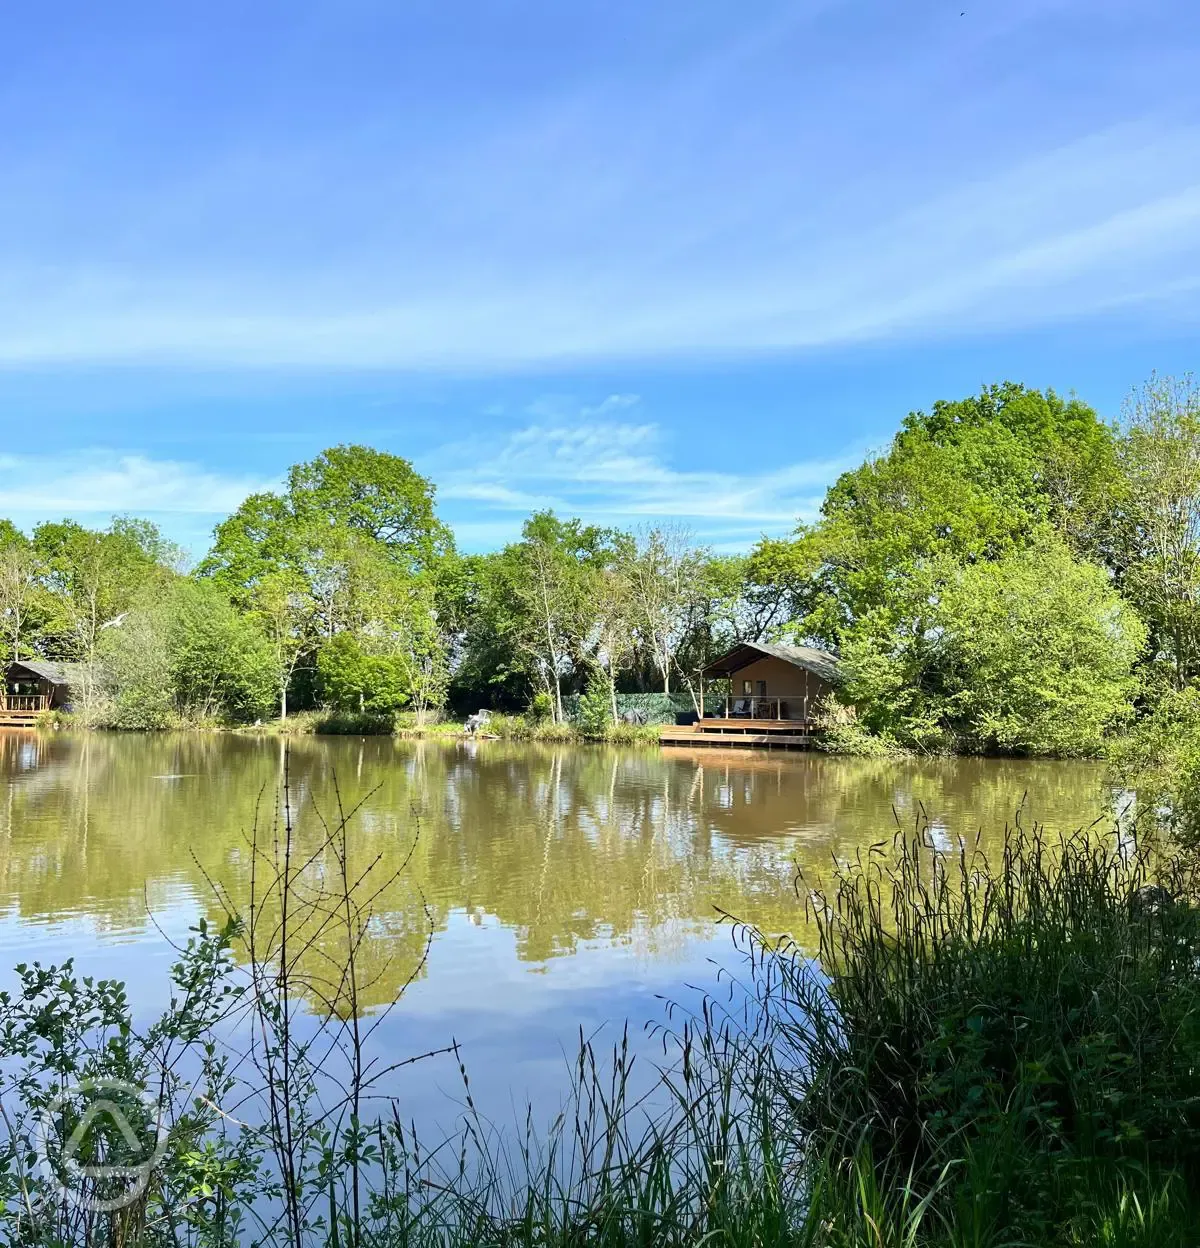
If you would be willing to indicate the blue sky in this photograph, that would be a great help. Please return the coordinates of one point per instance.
(631, 260)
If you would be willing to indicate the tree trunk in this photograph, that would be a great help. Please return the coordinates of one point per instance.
(283, 700)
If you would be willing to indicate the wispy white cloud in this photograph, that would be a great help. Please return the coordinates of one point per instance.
(611, 471)
(823, 174)
(596, 461)
(92, 483)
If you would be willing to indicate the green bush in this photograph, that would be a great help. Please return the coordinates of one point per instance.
(633, 734)
(1161, 760)
(185, 657)
(1031, 653)
(527, 728)
(841, 731)
(541, 707)
(355, 681)
(660, 708)
(595, 706)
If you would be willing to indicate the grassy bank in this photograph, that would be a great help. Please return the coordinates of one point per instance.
(528, 728)
(405, 724)
(355, 724)
(989, 1053)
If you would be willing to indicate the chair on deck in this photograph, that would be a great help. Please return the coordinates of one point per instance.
(741, 709)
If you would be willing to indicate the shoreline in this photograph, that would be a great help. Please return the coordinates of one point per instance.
(515, 728)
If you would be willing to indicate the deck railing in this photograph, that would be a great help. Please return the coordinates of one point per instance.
(28, 702)
(766, 708)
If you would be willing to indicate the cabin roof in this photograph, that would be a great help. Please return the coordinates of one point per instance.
(44, 669)
(820, 662)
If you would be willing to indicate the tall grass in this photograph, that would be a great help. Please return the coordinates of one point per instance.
(988, 1052)
(1020, 1036)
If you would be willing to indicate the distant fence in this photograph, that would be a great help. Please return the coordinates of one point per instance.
(660, 708)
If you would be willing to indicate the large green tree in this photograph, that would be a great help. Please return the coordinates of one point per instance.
(924, 556)
(536, 610)
(24, 601)
(1158, 530)
(184, 654)
(394, 653)
(1049, 457)
(352, 547)
(968, 481)
(94, 576)
(663, 571)
(1032, 653)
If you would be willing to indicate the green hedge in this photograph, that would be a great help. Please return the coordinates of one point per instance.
(660, 708)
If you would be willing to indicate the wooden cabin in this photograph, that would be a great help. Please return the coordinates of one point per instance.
(32, 686)
(771, 696)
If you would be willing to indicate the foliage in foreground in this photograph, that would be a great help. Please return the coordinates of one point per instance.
(996, 1053)
(1021, 1036)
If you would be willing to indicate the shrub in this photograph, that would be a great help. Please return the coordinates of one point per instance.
(659, 708)
(355, 681)
(1031, 653)
(1161, 760)
(595, 706)
(186, 656)
(541, 707)
(842, 732)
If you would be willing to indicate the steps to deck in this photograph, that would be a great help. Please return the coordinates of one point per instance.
(18, 719)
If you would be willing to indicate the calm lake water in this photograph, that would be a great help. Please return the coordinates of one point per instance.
(565, 888)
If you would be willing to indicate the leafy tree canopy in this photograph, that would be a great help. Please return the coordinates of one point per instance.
(969, 481)
(1032, 653)
(374, 493)
(352, 546)
(94, 576)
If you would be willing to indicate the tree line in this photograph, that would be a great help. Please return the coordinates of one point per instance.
(345, 591)
(1011, 574)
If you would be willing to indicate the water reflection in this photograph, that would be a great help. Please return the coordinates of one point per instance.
(561, 847)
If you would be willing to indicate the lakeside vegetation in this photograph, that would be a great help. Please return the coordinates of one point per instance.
(996, 1050)
(1011, 575)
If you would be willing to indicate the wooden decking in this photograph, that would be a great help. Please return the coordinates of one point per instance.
(787, 733)
(21, 710)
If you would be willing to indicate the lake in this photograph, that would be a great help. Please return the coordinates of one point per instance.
(548, 891)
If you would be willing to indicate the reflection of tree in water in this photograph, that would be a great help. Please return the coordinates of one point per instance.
(561, 845)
